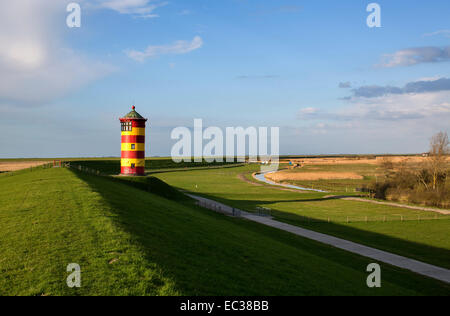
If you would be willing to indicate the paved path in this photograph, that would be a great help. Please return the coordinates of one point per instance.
(422, 268)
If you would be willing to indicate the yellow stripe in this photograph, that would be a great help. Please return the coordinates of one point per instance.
(137, 147)
(137, 131)
(128, 162)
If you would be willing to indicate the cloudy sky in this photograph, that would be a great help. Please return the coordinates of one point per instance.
(313, 68)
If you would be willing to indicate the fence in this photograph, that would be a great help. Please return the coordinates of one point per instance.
(369, 219)
(228, 210)
(84, 169)
(214, 206)
(266, 212)
(263, 211)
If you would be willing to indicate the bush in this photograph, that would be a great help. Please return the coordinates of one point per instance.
(379, 189)
(413, 185)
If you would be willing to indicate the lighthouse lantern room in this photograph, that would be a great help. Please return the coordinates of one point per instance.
(132, 161)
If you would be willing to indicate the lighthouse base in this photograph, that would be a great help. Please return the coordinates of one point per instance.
(127, 171)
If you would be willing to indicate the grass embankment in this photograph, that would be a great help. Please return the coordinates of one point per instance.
(130, 242)
(425, 240)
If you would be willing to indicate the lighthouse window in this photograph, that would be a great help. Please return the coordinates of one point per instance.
(133, 166)
(127, 127)
(133, 146)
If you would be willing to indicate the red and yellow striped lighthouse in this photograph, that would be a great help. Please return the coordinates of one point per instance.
(133, 144)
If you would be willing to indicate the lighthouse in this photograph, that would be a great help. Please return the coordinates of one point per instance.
(132, 161)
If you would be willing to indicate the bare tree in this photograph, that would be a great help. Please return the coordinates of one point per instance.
(437, 162)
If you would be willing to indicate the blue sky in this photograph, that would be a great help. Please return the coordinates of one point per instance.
(313, 68)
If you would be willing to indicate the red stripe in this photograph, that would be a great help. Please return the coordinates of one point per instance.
(133, 139)
(134, 122)
(133, 154)
(135, 171)
(138, 123)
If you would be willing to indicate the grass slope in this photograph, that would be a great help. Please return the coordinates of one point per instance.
(130, 242)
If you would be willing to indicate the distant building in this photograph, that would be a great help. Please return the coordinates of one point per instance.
(132, 161)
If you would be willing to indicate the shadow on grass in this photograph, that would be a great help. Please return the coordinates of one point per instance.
(231, 165)
(112, 167)
(426, 253)
(211, 254)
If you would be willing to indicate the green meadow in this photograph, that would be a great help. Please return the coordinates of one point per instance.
(132, 242)
(421, 235)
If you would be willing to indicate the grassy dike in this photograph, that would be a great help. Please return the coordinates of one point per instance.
(131, 242)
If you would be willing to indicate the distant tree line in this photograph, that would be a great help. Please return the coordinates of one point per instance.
(426, 182)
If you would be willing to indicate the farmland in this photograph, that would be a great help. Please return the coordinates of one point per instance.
(7, 166)
(336, 178)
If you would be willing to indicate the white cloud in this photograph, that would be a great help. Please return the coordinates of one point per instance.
(393, 123)
(35, 65)
(397, 108)
(414, 56)
(177, 48)
(433, 78)
(445, 33)
(141, 8)
(308, 111)
(185, 12)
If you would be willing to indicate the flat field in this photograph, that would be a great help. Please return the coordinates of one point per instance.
(338, 175)
(7, 166)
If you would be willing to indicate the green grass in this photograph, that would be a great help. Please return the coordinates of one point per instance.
(427, 240)
(52, 217)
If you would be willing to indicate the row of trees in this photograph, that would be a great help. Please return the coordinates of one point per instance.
(426, 182)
